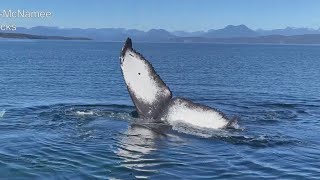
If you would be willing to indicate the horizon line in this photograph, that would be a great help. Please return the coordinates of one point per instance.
(61, 27)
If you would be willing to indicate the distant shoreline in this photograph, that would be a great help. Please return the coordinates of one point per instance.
(31, 36)
(260, 40)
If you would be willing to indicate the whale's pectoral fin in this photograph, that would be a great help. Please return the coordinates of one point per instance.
(197, 115)
(147, 90)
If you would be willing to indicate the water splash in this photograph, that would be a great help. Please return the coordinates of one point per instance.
(84, 113)
(60, 114)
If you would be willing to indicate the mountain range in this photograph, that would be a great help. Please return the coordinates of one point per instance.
(236, 33)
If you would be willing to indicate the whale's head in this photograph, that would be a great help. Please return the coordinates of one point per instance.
(145, 87)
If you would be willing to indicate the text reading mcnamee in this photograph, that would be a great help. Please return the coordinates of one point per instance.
(25, 14)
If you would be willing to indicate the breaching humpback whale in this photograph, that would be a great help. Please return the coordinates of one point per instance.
(153, 98)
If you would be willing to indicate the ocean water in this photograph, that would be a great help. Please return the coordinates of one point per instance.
(65, 112)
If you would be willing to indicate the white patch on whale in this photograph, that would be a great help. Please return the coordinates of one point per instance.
(138, 78)
(197, 116)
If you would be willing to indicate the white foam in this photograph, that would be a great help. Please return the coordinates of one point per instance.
(2, 113)
(195, 116)
(137, 75)
(84, 113)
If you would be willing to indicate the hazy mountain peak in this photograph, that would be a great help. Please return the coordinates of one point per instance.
(158, 31)
(241, 26)
(232, 31)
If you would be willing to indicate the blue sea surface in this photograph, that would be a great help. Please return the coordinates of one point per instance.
(65, 112)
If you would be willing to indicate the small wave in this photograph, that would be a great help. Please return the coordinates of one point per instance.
(83, 111)
(2, 113)
(95, 112)
(280, 115)
(235, 136)
(281, 105)
(259, 141)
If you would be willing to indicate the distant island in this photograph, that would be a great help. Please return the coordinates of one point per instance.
(30, 36)
(230, 34)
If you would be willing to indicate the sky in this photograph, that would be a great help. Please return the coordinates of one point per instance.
(172, 15)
